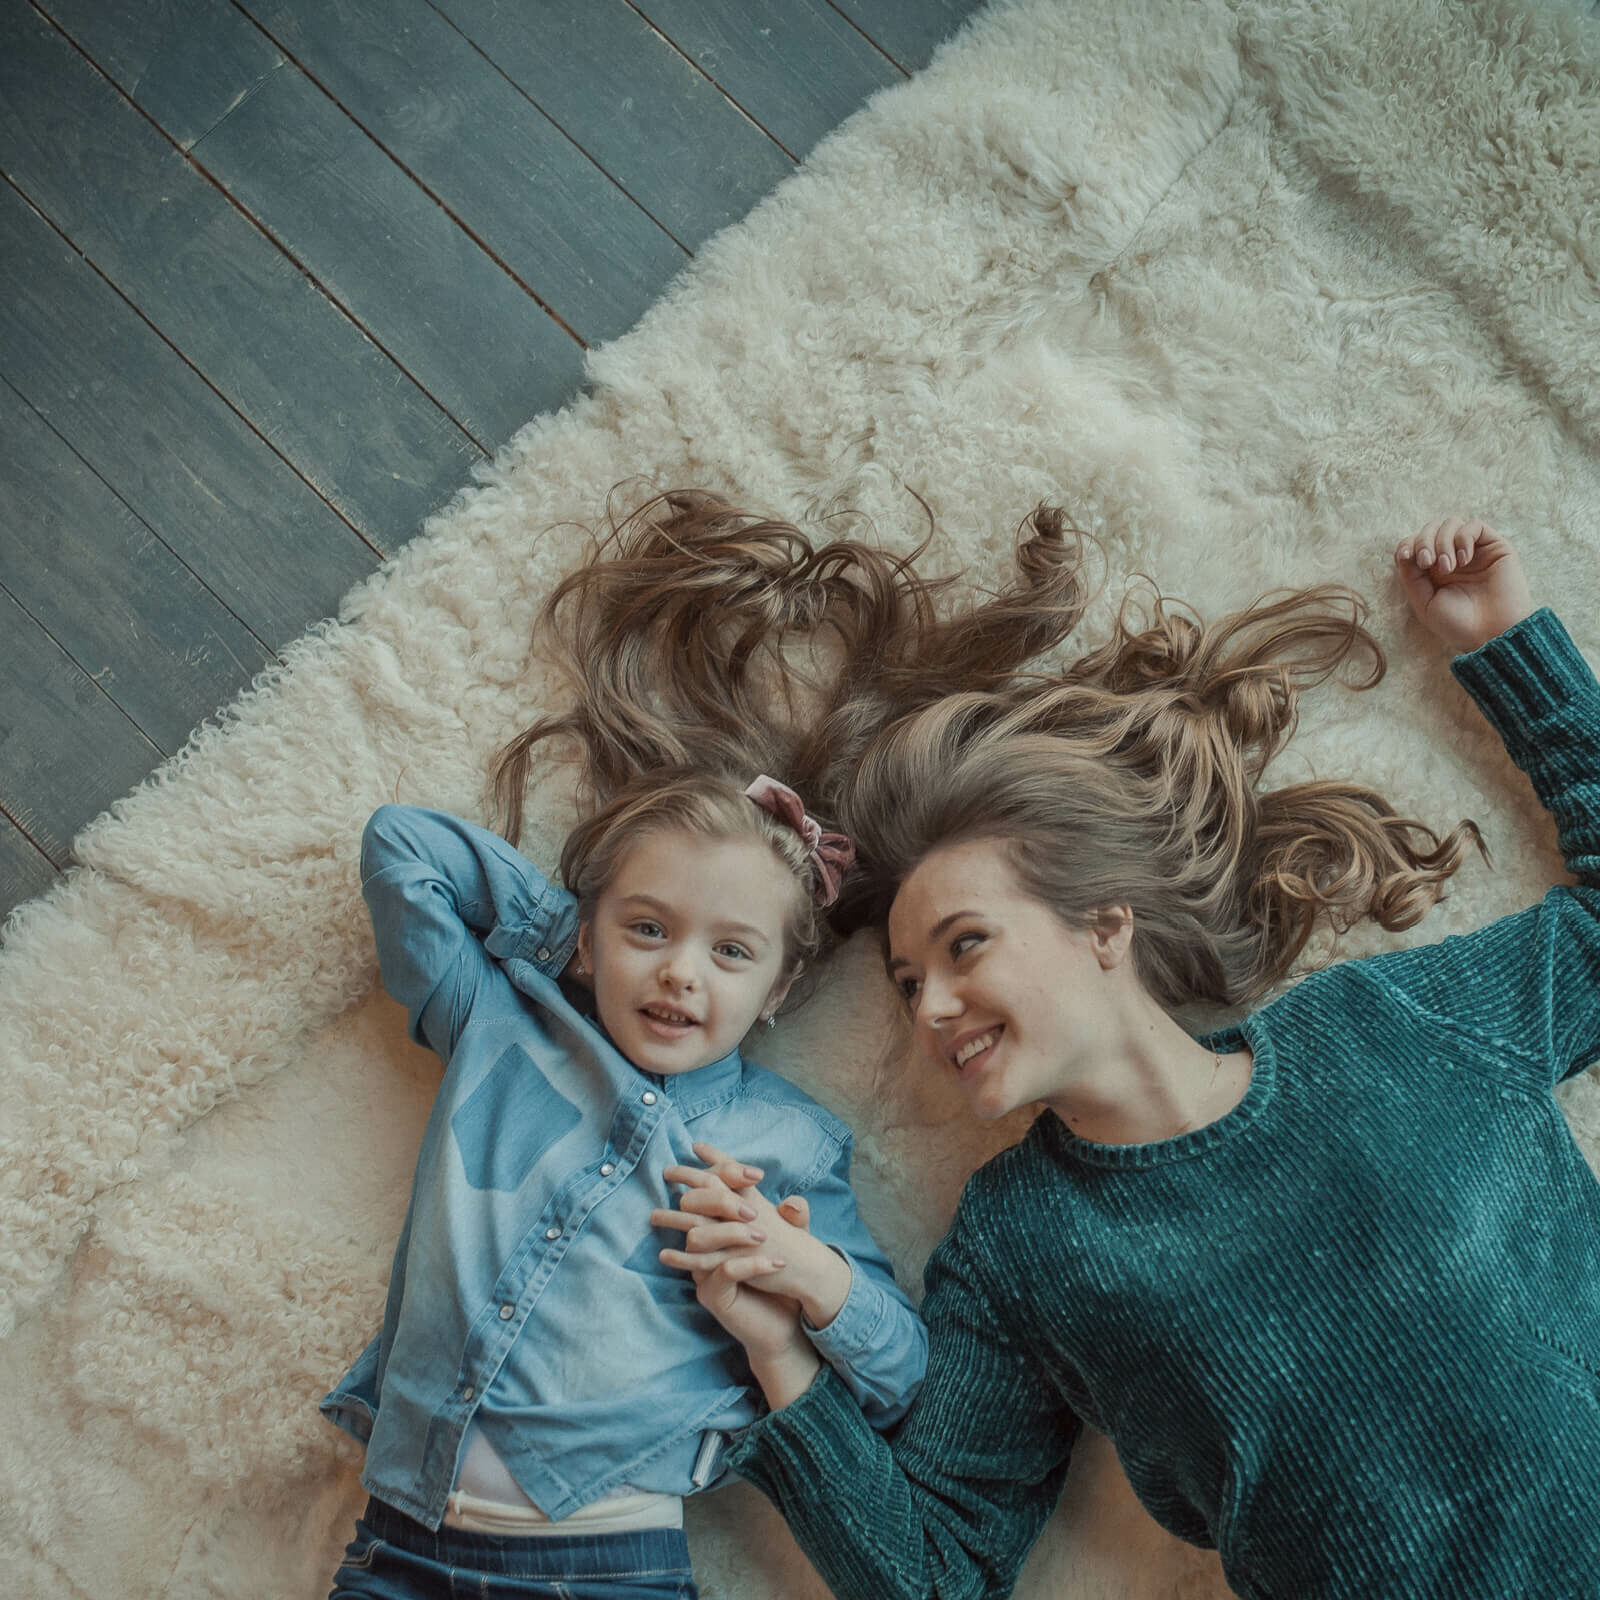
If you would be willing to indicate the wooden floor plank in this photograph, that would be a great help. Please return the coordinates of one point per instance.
(798, 69)
(24, 870)
(187, 63)
(240, 518)
(669, 137)
(908, 30)
(51, 785)
(116, 600)
(490, 156)
(196, 388)
(360, 432)
(466, 332)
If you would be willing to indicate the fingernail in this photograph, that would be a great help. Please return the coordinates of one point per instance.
(748, 1213)
(757, 1236)
(778, 1262)
(754, 1173)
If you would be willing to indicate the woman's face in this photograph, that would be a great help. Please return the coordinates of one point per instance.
(1000, 990)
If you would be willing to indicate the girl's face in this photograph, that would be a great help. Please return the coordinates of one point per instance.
(1000, 990)
(686, 947)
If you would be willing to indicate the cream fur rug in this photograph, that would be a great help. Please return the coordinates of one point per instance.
(1254, 287)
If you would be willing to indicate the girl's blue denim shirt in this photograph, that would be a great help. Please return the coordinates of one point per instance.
(526, 1296)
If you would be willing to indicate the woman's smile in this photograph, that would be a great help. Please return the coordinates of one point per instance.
(972, 1049)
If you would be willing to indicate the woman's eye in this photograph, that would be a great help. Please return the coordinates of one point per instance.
(908, 989)
(965, 942)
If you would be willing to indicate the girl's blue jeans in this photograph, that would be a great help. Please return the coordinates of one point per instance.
(393, 1557)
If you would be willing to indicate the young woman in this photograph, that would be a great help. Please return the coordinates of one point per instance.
(1330, 1278)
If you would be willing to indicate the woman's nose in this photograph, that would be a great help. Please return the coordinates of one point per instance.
(937, 1003)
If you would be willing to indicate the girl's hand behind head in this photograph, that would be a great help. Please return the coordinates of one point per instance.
(1464, 581)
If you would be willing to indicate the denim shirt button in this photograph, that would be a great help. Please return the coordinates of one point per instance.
(649, 1097)
(468, 1392)
(606, 1170)
(552, 1233)
(507, 1313)
(544, 954)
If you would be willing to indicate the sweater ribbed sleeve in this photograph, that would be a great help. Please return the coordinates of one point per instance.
(953, 1506)
(1529, 982)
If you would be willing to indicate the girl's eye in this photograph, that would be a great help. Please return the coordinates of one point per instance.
(736, 952)
(647, 929)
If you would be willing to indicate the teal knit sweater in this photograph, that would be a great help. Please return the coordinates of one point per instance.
(1348, 1335)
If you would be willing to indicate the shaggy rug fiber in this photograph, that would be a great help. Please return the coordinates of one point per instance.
(1253, 287)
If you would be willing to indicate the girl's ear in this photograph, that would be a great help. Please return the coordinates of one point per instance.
(1111, 935)
(779, 991)
(582, 963)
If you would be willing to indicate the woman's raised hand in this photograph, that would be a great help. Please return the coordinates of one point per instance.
(1464, 581)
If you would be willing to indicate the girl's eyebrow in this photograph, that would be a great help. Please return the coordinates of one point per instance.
(661, 908)
(937, 931)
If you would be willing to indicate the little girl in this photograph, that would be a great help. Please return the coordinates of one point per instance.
(1329, 1279)
(544, 1392)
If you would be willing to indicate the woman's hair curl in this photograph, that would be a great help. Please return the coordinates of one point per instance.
(1133, 778)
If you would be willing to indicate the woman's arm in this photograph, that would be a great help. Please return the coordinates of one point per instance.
(1530, 981)
(445, 896)
(951, 1504)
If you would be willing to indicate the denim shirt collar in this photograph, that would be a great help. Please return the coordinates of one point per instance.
(693, 1093)
(697, 1092)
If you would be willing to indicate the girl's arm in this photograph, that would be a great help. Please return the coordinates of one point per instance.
(1530, 981)
(950, 1504)
(445, 896)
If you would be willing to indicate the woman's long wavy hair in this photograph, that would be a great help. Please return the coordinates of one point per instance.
(1134, 778)
(702, 644)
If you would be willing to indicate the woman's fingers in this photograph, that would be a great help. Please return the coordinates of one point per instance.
(707, 1195)
(687, 1222)
(1442, 548)
(731, 1171)
(707, 1236)
(736, 1265)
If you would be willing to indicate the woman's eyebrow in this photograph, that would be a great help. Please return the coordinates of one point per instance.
(937, 931)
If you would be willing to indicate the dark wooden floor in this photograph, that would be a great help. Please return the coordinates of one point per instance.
(275, 273)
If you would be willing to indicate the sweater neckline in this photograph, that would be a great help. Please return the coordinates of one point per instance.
(1185, 1146)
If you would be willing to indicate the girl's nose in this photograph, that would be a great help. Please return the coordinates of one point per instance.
(678, 972)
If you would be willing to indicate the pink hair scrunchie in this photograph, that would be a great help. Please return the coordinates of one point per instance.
(832, 854)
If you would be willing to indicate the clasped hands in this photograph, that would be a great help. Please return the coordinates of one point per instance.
(756, 1266)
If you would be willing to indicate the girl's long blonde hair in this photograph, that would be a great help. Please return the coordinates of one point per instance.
(701, 644)
(1134, 777)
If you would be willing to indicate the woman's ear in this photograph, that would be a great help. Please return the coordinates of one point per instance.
(1111, 935)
